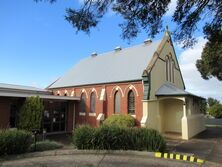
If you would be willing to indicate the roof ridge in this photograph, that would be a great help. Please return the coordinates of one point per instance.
(122, 49)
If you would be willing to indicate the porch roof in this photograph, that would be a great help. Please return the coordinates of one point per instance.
(169, 89)
(9, 90)
(42, 96)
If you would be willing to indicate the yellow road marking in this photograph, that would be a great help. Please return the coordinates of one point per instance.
(191, 159)
(178, 157)
(200, 161)
(158, 154)
(184, 157)
(165, 155)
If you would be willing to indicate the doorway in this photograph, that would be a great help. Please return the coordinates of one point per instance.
(54, 117)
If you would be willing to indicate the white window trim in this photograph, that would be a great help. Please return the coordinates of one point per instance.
(82, 113)
(92, 114)
(133, 115)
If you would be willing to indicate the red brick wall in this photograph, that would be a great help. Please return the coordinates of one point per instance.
(4, 112)
(107, 106)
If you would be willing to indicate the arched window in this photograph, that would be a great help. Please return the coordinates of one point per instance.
(172, 70)
(117, 102)
(83, 103)
(167, 68)
(93, 102)
(131, 102)
(170, 65)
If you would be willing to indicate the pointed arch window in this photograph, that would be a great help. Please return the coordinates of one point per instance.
(83, 103)
(131, 102)
(172, 70)
(167, 68)
(170, 65)
(117, 98)
(93, 102)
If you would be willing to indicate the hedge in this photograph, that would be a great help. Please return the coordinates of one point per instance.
(118, 138)
(120, 120)
(45, 145)
(14, 141)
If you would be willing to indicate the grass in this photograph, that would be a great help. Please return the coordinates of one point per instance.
(45, 145)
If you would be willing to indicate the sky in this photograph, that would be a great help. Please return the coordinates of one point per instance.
(37, 45)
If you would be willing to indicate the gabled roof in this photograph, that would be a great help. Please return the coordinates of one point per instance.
(124, 65)
(169, 89)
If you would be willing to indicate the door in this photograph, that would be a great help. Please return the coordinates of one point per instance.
(54, 119)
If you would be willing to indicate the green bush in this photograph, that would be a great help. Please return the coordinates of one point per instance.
(30, 115)
(83, 136)
(45, 145)
(14, 141)
(216, 110)
(120, 120)
(118, 138)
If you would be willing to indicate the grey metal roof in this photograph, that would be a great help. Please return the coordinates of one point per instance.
(13, 87)
(169, 89)
(42, 96)
(124, 65)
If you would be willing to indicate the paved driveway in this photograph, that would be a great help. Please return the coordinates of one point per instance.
(207, 145)
(92, 160)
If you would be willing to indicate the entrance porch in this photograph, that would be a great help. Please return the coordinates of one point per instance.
(58, 115)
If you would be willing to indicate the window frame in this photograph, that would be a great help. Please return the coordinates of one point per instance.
(83, 104)
(115, 102)
(129, 105)
(92, 103)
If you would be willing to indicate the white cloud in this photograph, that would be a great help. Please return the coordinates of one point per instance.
(192, 78)
(172, 8)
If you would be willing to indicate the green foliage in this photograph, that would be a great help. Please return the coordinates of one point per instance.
(14, 141)
(120, 120)
(118, 138)
(216, 110)
(30, 115)
(210, 64)
(45, 145)
(203, 106)
(211, 101)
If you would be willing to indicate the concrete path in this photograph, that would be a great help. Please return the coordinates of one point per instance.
(94, 160)
(207, 145)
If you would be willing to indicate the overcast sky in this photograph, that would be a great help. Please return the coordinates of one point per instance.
(37, 45)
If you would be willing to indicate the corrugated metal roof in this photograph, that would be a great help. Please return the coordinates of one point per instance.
(20, 87)
(169, 89)
(42, 96)
(124, 65)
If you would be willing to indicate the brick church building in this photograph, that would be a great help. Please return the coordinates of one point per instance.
(144, 81)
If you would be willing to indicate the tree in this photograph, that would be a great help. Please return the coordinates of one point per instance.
(203, 106)
(30, 115)
(216, 111)
(210, 63)
(148, 15)
(211, 101)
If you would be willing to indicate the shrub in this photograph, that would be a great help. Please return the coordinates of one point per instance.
(118, 138)
(45, 145)
(82, 137)
(120, 120)
(216, 110)
(14, 141)
(30, 116)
